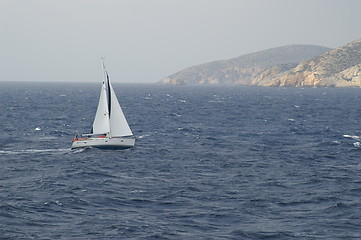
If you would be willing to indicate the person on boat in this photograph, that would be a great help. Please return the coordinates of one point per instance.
(75, 138)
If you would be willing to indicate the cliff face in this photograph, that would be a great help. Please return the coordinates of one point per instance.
(340, 67)
(250, 69)
(351, 77)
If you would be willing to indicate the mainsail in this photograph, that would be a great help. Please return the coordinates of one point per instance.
(109, 118)
(101, 120)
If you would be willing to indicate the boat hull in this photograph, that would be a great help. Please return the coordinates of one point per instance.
(120, 143)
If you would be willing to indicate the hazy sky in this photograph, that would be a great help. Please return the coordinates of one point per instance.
(146, 40)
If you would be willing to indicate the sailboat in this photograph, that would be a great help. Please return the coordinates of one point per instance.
(110, 127)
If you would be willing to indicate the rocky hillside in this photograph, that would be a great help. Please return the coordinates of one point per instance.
(340, 67)
(251, 69)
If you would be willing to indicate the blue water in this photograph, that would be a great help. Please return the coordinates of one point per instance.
(209, 163)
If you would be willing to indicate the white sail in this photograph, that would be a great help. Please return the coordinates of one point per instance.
(118, 123)
(101, 121)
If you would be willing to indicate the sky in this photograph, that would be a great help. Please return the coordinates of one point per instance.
(147, 40)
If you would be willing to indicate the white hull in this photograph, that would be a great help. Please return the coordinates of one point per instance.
(104, 143)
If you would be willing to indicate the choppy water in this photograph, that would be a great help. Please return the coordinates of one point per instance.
(209, 163)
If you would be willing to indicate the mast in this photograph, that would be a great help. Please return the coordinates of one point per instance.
(107, 86)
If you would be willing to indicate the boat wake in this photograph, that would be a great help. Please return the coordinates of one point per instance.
(34, 151)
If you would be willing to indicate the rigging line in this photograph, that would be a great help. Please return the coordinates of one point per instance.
(109, 95)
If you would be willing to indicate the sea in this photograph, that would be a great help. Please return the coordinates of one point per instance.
(210, 162)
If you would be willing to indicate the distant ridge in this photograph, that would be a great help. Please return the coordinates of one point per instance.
(340, 67)
(247, 69)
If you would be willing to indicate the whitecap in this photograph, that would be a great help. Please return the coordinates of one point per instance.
(143, 136)
(175, 115)
(351, 136)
